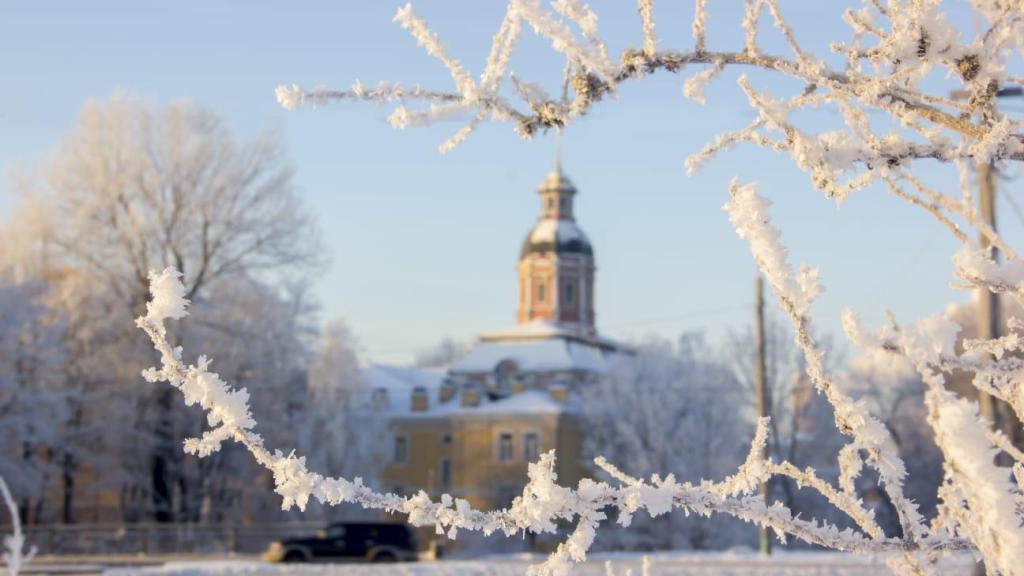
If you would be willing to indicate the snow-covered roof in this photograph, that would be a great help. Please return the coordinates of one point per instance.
(557, 235)
(533, 355)
(557, 230)
(527, 403)
(400, 381)
(401, 377)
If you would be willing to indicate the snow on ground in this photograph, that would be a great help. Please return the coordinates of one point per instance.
(678, 563)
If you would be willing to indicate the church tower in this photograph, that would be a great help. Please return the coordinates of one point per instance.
(556, 265)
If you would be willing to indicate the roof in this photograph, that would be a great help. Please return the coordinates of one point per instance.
(533, 355)
(527, 403)
(399, 382)
(557, 235)
(557, 180)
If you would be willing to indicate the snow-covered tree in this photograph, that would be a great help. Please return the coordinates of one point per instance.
(345, 431)
(31, 400)
(888, 84)
(260, 337)
(130, 187)
(442, 354)
(801, 422)
(895, 394)
(663, 397)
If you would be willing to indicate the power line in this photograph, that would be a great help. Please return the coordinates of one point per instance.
(684, 316)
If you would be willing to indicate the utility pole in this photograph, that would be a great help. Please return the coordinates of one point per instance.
(761, 390)
(988, 301)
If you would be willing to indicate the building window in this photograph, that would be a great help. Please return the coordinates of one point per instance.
(505, 448)
(446, 439)
(401, 455)
(531, 446)
(551, 203)
(563, 204)
(542, 291)
(379, 399)
(570, 292)
(446, 473)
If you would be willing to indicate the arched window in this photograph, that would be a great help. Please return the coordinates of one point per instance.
(542, 291)
(504, 375)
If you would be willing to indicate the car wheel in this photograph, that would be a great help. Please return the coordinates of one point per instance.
(385, 557)
(294, 556)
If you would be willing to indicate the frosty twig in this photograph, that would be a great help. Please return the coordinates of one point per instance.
(14, 554)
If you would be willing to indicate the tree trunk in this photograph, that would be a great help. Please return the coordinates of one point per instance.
(160, 466)
(68, 469)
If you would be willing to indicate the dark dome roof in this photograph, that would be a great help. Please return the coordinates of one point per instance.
(559, 236)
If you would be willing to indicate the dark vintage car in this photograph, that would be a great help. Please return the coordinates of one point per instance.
(348, 542)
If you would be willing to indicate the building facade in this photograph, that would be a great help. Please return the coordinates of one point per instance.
(471, 430)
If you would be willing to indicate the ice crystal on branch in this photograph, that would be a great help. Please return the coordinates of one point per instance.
(168, 296)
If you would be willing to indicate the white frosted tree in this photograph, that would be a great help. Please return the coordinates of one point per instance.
(801, 421)
(32, 401)
(130, 187)
(133, 186)
(260, 337)
(894, 393)
(888, 83)
(442, 354)
(344, 435)
(651, 403)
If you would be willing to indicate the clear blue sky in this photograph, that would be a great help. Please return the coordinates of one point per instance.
(425, 246)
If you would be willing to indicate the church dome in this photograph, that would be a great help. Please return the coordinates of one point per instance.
(556, 235)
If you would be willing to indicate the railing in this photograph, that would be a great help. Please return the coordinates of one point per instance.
(154, 538)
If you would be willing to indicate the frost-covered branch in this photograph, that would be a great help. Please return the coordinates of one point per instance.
(543, 502)
(988, 505)
(918, 38)
(14, 555)
(748, 214)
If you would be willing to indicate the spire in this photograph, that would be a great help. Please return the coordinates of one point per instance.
(556, 179)
(558, 154)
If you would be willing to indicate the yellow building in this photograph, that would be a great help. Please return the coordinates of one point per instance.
(471, 430)
(478, 449)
